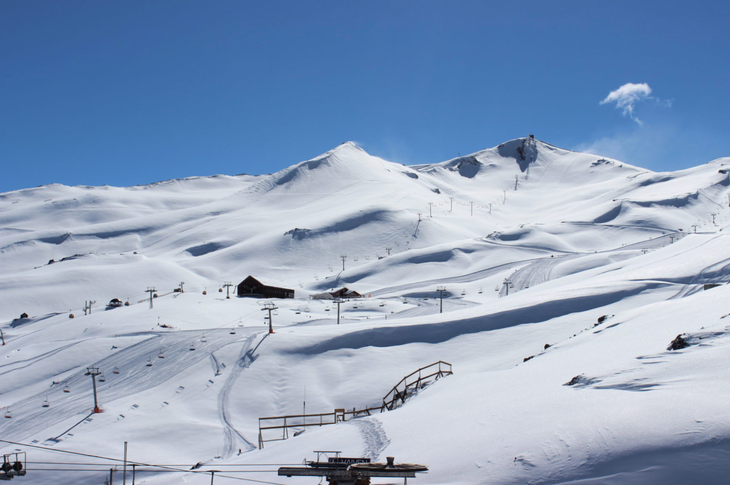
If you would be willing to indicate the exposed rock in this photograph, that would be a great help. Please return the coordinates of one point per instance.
(679, 342)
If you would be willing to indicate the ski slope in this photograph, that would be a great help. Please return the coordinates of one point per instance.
(567, 277)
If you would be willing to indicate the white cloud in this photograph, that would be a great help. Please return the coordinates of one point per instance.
(627, 96)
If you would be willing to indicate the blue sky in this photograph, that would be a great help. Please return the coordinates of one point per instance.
(132, 92)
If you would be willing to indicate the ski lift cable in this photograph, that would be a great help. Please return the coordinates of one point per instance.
(71, 463)
(105, 470)
(142, 470)
(117, 460)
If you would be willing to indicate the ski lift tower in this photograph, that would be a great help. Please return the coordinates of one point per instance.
(270, 307)
(441, 290)
(93, 372)
(338, 302)
(151, 290)
(227, 285)
(339, 470)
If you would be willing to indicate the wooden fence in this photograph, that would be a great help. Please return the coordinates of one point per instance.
(276, 428)
(414, 381)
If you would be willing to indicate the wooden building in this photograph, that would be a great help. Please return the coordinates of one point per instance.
(263, 288)
(345, 293)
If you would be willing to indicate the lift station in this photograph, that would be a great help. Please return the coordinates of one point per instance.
(339, 470)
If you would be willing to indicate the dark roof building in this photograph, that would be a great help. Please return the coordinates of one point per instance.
(345, 293)
(266, 289)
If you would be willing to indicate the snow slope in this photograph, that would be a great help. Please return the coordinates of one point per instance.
(532, 243)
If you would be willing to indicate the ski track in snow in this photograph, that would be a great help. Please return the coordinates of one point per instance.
(373, 435)
(231, 434)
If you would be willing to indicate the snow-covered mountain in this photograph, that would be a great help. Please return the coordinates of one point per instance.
(567, 275)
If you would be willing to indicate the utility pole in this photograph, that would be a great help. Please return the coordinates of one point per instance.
(228, 285)
(713, 218)
(343, 257)
(93, 372)
(151, 290)
(182, 290)
(694, 226)
(388, 250)
(87, 306)
(338, 302)
(2, 337)
(441, 290)
(270, 308)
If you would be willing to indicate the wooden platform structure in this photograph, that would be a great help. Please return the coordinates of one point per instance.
(352, 471)
(276, 428)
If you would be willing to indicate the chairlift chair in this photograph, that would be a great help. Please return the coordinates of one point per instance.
(46, 403)
(149, 363)
(192, 346)
(203, 339)
(8, 413)
(102, 378)
(66, 389)
(115, 370)
(160, 355)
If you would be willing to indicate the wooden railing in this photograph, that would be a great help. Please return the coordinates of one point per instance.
(301, 421)
(407, 387)
(415, 381)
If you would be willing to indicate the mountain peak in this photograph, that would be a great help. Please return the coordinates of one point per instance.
(346, 147)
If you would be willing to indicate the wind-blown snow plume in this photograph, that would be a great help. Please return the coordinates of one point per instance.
(627, 96)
